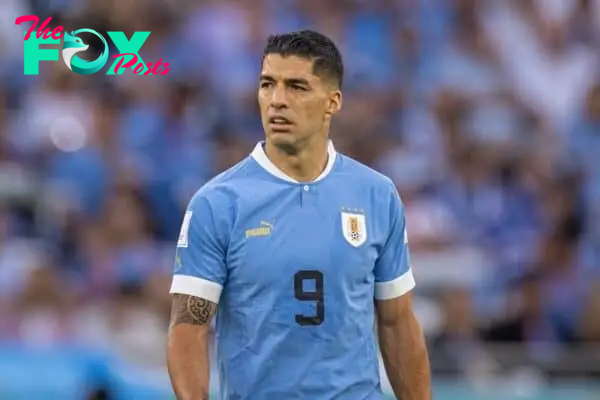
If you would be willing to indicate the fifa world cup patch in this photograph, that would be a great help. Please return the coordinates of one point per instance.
(354, 227)
(183, 233)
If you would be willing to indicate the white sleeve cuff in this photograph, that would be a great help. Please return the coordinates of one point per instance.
(395, 288)
(198, 287)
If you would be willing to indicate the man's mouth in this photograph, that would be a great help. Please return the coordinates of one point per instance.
(279, 121)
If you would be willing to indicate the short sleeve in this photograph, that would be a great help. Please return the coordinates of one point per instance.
(200, 268)
(393, 275)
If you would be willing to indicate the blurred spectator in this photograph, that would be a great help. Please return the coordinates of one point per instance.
(590, 324)
(458, 348)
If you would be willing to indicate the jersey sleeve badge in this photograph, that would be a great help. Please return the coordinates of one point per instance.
(183, 233)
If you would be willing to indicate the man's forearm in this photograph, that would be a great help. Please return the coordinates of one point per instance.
(187, 349)
(188, 363)
(406, 360)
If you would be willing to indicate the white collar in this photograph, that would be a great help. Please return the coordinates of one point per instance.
(261, 158)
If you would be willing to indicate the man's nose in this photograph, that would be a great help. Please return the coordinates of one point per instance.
(279, 98)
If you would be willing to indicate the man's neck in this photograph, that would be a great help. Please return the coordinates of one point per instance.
(304, 166)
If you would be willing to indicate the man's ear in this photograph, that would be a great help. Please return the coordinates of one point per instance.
(334, 103)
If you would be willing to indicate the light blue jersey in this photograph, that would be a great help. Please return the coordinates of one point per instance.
(295, 268)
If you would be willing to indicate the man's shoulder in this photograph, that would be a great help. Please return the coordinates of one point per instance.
(223, 188)
(364, 175)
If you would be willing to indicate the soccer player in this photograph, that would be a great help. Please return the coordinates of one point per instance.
(298, 250)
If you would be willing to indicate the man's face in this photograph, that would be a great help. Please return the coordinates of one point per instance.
(295, 104)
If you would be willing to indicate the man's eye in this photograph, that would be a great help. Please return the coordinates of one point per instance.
(299, 88)
(265, 85)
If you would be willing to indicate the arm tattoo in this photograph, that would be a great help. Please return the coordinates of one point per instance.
(191, 310)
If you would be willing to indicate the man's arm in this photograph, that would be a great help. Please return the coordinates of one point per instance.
(187, 350)
(403, 349)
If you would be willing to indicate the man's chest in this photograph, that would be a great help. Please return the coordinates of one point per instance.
(304, 244)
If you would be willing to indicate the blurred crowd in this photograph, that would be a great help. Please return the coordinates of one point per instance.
(485, 113)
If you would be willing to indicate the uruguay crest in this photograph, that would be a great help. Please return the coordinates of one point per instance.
(354, 228)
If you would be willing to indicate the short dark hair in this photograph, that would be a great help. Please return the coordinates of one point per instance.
(327, 59)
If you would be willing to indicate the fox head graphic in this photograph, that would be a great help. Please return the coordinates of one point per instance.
(72, 45)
